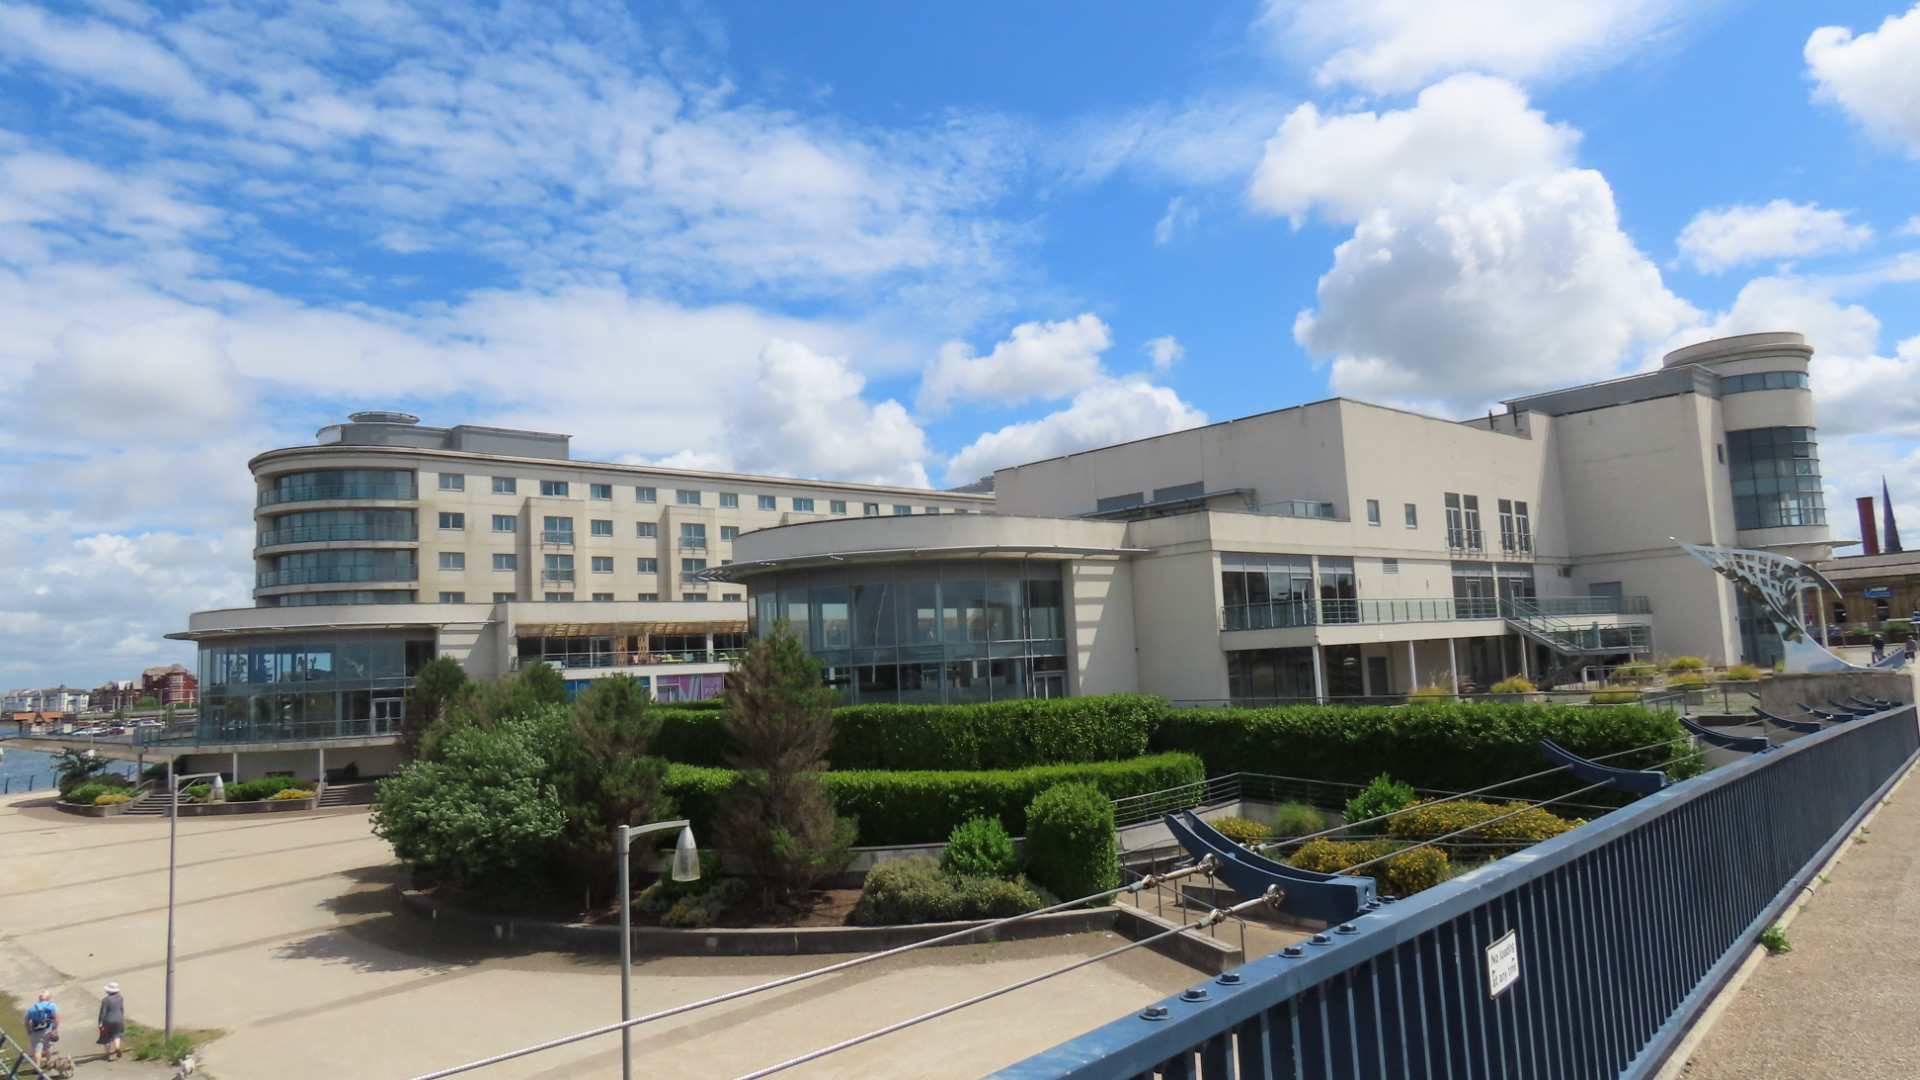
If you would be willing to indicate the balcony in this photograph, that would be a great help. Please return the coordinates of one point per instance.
(1468, 541)
(316, 534)
(323, 492)
(1300, 508)
(556, 536)
(604, 658)
(1283, 614)
(322, 575)
(693, 543)
(556, 575)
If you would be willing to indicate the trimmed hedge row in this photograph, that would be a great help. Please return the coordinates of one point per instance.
(1451, 746)
(991, 735)
(924, 807)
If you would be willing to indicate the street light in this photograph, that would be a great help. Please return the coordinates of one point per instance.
(173, 840)
(686, 867)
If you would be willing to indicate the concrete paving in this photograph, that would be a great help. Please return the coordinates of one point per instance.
(290, 940)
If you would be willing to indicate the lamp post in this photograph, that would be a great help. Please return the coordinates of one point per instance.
(686, 867)
(173, 840)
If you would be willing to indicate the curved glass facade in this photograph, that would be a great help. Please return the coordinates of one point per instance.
(316, 567)
(1776, 478)
(313, 526)
(340, 484)
(926, 632)
(309, 688)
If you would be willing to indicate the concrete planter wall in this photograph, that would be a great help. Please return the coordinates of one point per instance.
(110, 810)
(258, 806)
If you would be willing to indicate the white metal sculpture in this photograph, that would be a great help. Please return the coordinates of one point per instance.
(1774, 583)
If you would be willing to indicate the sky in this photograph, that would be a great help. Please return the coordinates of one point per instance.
(903, 243)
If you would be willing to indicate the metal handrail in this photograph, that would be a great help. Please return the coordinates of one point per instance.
(317, 575)
(319, 492)
(314, 534)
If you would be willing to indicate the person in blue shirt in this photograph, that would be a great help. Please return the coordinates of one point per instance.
(43, 1027)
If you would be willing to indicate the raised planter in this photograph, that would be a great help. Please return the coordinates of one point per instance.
(256, 806)
(83, 810)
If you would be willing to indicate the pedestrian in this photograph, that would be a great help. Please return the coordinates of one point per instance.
(113, 1021)
(1879, 648)
(43, 1027)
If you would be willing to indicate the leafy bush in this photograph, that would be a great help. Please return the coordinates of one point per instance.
(1383, 795)
(1430, 693)
(111, 798)
(1449, 745)
(704, 908)
(85, 794)
(1513, 684)
(915, 890)
(1070, 841)
(980, 847)
(1686, 663)
(1688, 679)
(1528, 825)
(1615, 697)
(76, 767)
(1742, 673)
(264, 788)
(197, 792)
(290, 793)
(1292, 819)
(1633, 673)
(925, 807)
(1402, 874)
(1241, 830)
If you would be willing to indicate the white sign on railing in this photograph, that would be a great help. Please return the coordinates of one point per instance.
(1503, 963)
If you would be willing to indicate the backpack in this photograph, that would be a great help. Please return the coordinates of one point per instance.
(40, 1016)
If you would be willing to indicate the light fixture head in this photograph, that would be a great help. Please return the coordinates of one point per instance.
(219, 790)
(686, 857)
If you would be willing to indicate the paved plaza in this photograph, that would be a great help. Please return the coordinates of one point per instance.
(289, 939)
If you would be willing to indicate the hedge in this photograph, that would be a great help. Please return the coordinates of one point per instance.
(1497, 829)
(1450, 746)
(924, 807)
(1070, 845)
(1403, 874)
(1013, 734)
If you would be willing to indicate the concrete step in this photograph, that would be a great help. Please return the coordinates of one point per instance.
(357, 793)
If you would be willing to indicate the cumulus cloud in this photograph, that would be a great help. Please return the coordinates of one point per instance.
(1164, 352)
(1038, 360)
(805, 415)
(1872, 76)
(1728, 236)
(1389, 46)
(1113, 411)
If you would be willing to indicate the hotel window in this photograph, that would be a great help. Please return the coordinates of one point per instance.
(1413, 516)
(505, 485)
(1463, 523)
(933, 510)
(557, 530)
(506, 562)
(837, 506)
(453, 521)
(901, 511)
(453, 560)
(648, 597)
(598, 527)
(1776, 478)
(503, 598)
(505, 523)
(870, 509)
(1373, 511)
(687, 498)
(804, 506)
(767, 502)
(1516, 531)
(697, 597)
(729, 532)
(453, 598)
(690, 567)
(733, 596)
(559, 598)
(600, 491)
(1389, 566)
(729, 500)
(646, 530)
(645, 494)
(603, 598)
(453, 481)
(646, 566)
(603, 564)
(693, 535)
(557, 488)
(558, 568)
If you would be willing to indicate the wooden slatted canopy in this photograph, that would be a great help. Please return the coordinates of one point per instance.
(612, 629)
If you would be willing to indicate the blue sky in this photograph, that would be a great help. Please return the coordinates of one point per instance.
(896, 242)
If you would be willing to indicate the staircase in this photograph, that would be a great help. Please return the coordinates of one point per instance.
(153, 804)
(1570, 639)
(355, 793)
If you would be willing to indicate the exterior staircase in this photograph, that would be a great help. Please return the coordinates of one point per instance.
(1570, 639)
(354, 793)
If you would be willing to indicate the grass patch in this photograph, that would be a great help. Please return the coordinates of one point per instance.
(146, 1044)
(1774, 940)
(13, 1020)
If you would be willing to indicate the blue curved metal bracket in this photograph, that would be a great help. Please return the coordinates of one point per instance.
(1637, 781)
(1331, 898)
(1805, 727)
(1853, 712)
(1823, 714)
(1746, 744)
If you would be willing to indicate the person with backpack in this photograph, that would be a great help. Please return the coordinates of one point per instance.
(43, 1028)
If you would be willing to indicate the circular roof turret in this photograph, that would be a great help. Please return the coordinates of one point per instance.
(382, 416)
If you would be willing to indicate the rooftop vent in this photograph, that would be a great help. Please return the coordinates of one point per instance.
(381, 416)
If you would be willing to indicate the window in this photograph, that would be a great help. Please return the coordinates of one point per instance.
(506, 562)
(556, 530)
(1776, 478)
(603, 598)
(505, 523)
(694, 596)
(729, 532)
(556, 488)
(646, 530)
(453, 521)
(558, 568)
(1373, 511)
(729, 500)
(837, 506)
(687, 498)
(453, 560)
(959, 509)
(1516, 531)
(1263, 591)
(733, 596)
(1413, 516)
(933, 510)
(646, 566)
(689, 567)
(804, 506)
(597, 527)
(1463, 522)
(1763, 380)
(559, 598)
(453, 481)
(453, 598)
(648, 597)
(1389, 566)
(600, 491)
(505, 485)
(503, 598)
(902, 511)
(603, 564)
(767, 502)
(645, 494)
(870, 509)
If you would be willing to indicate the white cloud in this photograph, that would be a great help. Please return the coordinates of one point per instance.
(1038, 360)
(1164, 352)
(1179, 216)
(1113, 411)
(1479, 297)
(1873, 76)
(1469, 130)
(804, 416)
(1721, 238)
(1205, 140)
(1389, 46)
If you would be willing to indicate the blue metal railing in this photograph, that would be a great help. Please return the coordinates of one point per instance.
(1625, 927)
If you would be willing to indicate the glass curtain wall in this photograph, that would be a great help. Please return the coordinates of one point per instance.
(926, 633)
(312, 688)
(1266, 591)
(1776, 478)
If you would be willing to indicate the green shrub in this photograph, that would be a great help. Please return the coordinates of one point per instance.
(290, 793)
(915, 890)
(925, 807)
(1070, 841)
(1528, 825)
(1742, 673)
(1513, 684)
(111, 798)
(1403, 874)
(1291, 819)
(1430, 693)
(1241, 830)
(85, 794)
(1686, 663)
(660, 897)
(1383, 795)
(980, 847)
(197, 792)
(701, 909)
(1688, 678)
(1615, 697)
(1633, 673)
(264, 788)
